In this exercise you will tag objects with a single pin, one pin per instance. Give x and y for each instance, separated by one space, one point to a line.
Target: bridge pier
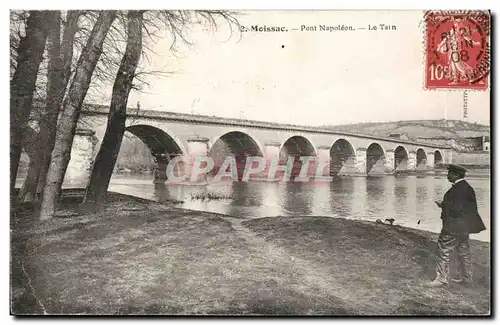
412 161
430 160
389 162
197 147
429 164
160 172
360 166
82 158
272 153
322 162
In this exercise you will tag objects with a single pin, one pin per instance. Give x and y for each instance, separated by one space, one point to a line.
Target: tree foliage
59 84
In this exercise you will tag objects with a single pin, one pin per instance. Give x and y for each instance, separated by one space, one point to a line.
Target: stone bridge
170 134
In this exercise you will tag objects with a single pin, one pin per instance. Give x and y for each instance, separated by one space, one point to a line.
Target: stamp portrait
457 50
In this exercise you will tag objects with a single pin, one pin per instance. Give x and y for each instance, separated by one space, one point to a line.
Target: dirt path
310 275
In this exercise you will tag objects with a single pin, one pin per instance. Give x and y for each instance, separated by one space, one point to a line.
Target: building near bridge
400 136
473 152
466 144
486 143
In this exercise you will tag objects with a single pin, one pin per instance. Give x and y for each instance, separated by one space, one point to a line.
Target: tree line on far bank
55 57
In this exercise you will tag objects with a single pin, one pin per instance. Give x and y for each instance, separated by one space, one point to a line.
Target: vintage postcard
235 163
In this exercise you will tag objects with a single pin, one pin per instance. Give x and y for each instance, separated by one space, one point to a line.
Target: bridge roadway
169 134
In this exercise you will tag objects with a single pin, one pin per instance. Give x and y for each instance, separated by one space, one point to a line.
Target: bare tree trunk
111 143
22 86
24 193
31 147
58 81
70 112
54 87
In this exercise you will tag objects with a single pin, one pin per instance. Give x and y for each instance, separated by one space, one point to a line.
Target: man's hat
460 170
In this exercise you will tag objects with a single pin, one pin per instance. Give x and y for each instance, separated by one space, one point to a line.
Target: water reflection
422 194
376 197
161 192
400 193
246 194
390 198
341 196
244 197
297 198
270 193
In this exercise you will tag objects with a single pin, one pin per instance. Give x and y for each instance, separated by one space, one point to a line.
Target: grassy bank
140 257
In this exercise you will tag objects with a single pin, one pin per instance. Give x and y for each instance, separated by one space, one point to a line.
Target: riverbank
144 257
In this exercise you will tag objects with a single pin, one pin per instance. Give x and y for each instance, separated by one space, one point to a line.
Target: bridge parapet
223 121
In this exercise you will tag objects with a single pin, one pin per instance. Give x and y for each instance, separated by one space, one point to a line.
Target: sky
305 77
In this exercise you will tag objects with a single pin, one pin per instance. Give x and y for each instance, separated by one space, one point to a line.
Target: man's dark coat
459 210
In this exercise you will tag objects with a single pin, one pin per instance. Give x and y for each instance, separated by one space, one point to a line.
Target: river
406 199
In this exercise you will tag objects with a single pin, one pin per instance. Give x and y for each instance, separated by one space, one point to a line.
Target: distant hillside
455 129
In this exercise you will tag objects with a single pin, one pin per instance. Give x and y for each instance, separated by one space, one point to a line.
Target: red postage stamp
457 49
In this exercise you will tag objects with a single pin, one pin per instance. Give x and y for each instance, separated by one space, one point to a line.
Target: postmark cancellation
457 49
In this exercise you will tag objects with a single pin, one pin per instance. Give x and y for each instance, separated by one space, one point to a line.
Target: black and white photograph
210 162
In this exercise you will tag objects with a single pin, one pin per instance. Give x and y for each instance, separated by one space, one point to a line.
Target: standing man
460 218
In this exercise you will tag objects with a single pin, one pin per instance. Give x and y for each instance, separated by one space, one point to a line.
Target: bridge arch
421 158
375 159
163 147
297 146
157 140
342 157
234 143
400 159
245 134
438 158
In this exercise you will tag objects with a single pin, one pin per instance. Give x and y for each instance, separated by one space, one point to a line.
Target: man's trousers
445 246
